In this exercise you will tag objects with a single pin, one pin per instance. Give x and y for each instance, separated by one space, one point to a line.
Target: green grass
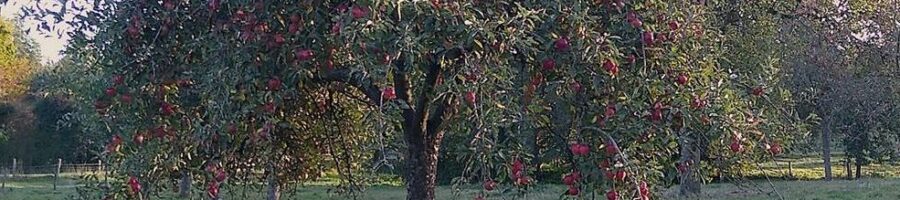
41 188
811 168
882 182
873 189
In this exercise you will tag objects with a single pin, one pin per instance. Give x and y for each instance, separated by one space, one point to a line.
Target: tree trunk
274 190
184 189
826 147
422 162
688 182
849 170
858 168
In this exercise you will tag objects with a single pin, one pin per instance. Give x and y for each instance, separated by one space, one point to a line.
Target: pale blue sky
50 46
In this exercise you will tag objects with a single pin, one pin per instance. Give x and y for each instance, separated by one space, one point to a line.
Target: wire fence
15 169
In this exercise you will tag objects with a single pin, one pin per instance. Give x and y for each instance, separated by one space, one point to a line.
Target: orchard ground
881 182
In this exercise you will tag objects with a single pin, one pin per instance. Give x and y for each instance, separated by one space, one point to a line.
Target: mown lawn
882 182
41 188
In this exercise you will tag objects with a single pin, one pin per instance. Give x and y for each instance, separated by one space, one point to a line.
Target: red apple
166 109
579 149
479 197
134 185
673 25
681 79
655 115
221 175
232 128
184 82
610 110
168 4
213 190
775 148
523 180
647 38
295 18
274 84
470 97
489 184
561 44
698 103
656 112
611 67
633 19
125 98
336 27
116 140
548 64
269 107
631 58
517 168
341 8
682 167
573 191
278 39
304 54
604 164
213 5
611 149
612 195
757 91
621 175
293 27
387 94
110 91
118 80
537 79
572 178
643 189
576 87
736 146
359 11
610 175
138 138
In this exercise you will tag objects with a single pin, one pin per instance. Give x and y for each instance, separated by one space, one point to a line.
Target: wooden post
13 173
3 175
56 175
790 170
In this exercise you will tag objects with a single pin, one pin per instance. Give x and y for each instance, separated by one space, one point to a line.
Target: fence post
790 170
56 176
13 173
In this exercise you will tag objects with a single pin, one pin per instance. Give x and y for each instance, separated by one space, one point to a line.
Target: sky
50 46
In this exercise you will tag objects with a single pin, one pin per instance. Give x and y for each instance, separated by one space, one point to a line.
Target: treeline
34 126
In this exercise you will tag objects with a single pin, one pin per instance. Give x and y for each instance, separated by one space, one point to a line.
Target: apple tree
242 91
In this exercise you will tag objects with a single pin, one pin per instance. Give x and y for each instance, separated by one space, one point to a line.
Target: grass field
881 182
888 189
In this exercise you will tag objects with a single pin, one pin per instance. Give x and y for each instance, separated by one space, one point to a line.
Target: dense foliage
621 95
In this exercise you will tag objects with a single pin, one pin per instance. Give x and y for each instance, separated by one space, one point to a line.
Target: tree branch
436 119
356 79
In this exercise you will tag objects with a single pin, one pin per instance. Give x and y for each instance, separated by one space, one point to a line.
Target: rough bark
274 190
422 124
689 185
184 189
